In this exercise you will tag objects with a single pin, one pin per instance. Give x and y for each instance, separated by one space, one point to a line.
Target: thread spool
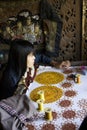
41 95
78 78
48 114
40 105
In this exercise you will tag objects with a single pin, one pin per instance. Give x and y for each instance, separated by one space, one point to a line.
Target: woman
15 79
21 58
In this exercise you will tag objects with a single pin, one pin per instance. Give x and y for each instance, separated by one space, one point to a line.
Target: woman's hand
65 64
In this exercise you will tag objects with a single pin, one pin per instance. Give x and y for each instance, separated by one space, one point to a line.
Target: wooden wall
70 13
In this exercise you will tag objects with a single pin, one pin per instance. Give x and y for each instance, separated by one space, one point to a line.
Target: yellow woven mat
49 77
51 93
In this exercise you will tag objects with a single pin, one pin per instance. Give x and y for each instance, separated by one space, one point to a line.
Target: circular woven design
51 93
49 78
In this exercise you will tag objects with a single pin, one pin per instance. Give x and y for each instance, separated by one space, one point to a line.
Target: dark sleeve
84 124
41 58
7 86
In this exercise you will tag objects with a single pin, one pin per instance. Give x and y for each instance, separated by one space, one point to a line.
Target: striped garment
13 112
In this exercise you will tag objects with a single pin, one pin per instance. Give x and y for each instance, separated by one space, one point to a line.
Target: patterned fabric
28 79
49 16
50 36
12 112
15 112
25 81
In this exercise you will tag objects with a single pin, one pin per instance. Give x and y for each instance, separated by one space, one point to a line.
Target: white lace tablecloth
69 110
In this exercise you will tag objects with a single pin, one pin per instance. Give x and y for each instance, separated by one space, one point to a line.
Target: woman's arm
42 59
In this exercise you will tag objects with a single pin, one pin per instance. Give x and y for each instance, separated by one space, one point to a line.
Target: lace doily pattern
67 99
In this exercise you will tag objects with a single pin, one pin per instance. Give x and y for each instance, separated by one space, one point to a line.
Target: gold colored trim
84 26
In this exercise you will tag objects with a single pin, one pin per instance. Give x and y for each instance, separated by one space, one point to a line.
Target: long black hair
17 61
16 66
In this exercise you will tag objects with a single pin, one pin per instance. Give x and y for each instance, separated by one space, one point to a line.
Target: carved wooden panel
84 30
12 7
70 13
